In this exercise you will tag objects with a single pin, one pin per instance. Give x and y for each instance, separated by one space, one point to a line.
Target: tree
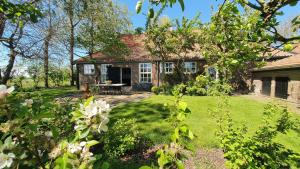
74 11
13 18
232 42
268 11
100 29
164 43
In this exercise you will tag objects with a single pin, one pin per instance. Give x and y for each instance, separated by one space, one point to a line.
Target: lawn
152 118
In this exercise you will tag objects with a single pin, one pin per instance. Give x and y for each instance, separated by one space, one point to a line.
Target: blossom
5 91
28 103
98 107
6 160
56 151
74 148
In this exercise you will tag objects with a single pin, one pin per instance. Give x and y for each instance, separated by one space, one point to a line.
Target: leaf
18 14
182 106
92 143
138 6
88 101
190 135
293 3
145 167
105 165
179 164
85 133
181 2
151 13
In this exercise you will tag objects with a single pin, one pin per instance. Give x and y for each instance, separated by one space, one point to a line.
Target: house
138 70
279 78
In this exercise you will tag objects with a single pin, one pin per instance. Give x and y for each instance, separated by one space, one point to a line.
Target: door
126 76
266 86
281 87
114 74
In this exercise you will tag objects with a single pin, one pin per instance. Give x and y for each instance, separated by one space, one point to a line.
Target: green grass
152 118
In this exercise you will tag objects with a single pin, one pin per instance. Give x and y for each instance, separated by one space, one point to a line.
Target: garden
193 119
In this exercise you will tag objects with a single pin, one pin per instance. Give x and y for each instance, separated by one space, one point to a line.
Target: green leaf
181 4
138 6
182 105
105 165
151 13
190 135
145 167
18 14
92 143
88 101
179 164
288 47
293 3
84 134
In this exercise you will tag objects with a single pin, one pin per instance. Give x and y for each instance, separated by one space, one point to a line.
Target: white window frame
144 70
168 69
103 72
89 69
188 69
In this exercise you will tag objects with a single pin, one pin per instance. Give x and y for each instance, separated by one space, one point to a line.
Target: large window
145 70
169 66
189 67
104 76
88 69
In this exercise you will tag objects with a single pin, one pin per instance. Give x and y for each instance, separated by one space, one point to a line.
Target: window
212 72
189 67
88 69
169 66
103 70
145 72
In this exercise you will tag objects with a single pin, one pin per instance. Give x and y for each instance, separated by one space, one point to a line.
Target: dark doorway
114 74
126 76
281 87
266 86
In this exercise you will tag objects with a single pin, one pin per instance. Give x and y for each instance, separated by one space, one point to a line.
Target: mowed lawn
151 116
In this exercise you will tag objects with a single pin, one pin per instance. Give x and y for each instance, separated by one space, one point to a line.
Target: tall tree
73 9
103 22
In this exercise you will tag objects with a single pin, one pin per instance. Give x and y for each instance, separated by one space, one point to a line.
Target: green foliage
121 138
16 11
35 73
259 150
58 75
179 89
155 90
219 88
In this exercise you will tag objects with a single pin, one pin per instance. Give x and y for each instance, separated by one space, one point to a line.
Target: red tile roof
286 63
138 52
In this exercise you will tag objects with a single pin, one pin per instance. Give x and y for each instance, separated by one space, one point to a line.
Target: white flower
97 107
74 148
103 125
6 160
86 154
28 103
5 91
56 151
49 134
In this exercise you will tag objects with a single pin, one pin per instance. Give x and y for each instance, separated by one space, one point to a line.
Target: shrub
179 89
217 88
121 138
166 88
155 90
243 150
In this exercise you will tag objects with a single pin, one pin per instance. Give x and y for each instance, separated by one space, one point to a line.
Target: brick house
139 70
279 78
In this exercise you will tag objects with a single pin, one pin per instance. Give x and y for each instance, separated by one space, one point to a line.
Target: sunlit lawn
152 118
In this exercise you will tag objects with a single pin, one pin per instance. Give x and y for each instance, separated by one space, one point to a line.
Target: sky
192 8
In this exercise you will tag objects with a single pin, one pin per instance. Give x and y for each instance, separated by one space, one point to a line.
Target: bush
179 89
121 138
166 88
217 88
155 90
243 150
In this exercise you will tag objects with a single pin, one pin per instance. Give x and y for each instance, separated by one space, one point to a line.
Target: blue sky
192 8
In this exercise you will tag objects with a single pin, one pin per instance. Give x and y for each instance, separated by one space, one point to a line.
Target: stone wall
293 83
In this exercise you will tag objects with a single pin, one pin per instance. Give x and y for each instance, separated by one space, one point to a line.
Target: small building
279 78
139 70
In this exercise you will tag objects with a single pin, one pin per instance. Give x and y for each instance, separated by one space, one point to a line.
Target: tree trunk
72 54
9 67
46 61
2 24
